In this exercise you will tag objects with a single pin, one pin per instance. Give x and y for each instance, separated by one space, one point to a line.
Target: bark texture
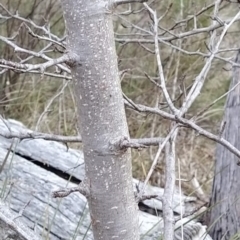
225 202
102 119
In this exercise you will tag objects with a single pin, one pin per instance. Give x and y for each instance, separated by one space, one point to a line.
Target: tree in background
163 57
225 211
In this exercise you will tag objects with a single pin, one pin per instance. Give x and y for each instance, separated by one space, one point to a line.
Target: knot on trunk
73 60
119 145
123 143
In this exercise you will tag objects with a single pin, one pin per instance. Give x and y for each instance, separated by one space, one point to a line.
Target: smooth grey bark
102 119
225 201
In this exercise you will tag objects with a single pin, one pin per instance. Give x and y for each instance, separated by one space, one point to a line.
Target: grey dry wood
71 161
28 187
12 228
29 183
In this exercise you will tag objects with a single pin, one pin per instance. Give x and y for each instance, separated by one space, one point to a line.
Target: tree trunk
225 205
102 119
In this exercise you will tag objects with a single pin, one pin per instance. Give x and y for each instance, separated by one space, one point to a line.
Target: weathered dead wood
35 168
25 184
12 228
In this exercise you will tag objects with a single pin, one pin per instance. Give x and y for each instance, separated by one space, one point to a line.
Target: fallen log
32 169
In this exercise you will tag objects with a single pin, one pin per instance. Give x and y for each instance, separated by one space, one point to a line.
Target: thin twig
200 79
159 63
155 161
46 110
187 123
120 2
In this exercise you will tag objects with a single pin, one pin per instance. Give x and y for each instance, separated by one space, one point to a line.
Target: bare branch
122 143
82 188
120 2
159 63
30 67
178 36
199 81
186 123
146 197
168 216
38 135
215 101
28 21
29 52
192 17
154 141
63 76
61 193
155 161
46 110
43 37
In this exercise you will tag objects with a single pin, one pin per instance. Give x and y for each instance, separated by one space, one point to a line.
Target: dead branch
82 188
120 2
185 122
177 36
42 67
122 143
39 135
